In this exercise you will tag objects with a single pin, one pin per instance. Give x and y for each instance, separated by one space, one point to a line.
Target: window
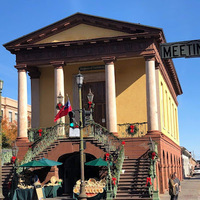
170 116
10 116
163 105
176 122
16 117
173 124
167 107
2 113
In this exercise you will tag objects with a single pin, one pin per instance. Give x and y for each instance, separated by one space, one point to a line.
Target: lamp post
1 192
82 195
60 101
15 150
90 97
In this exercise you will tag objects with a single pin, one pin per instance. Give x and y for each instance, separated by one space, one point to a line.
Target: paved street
190 190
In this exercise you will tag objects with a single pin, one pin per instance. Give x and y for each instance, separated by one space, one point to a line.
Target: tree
9 132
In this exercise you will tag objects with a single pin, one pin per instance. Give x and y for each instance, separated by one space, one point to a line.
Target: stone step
135 198
136 164
131 179
130 185
134 172
136 160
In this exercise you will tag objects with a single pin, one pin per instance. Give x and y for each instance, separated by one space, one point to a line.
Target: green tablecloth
26 194
51 191
22 194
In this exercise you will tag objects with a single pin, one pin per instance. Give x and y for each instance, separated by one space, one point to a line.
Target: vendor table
26 194
22 194
51 191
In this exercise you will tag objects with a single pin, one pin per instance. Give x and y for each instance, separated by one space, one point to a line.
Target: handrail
6 156
153 155
118 169
41 144
110 141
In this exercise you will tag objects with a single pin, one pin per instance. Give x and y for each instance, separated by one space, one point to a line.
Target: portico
122 64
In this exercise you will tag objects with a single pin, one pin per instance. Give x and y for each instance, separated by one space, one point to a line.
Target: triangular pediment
82 27
82 32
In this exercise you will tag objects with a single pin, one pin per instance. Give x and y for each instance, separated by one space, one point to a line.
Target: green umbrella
49 163
97 162
33 163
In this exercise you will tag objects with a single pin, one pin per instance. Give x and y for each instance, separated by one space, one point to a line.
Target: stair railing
118 169
153 155
110 141
50 136
115 148
6 156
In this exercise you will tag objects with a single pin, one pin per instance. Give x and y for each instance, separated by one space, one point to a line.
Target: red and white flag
64 111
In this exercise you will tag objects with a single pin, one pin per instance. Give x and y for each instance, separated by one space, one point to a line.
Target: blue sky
179 20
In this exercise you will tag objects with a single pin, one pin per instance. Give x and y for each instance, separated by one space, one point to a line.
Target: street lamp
60 101
82 195
1 192
15 150
90 97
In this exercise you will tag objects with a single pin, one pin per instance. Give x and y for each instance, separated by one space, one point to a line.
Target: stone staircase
132 181
7 174
57 142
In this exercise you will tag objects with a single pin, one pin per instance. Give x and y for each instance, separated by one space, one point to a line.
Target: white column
152 107
35 97
22 101
111 112
58 84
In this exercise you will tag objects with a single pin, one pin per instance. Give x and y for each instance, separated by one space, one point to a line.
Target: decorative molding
109 60
34 73
149 57
58 64
79 18
86 52
21 67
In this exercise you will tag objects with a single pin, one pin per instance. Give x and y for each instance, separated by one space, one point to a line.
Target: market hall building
135 95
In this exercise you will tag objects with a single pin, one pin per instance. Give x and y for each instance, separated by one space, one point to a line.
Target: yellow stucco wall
130 90
47 97
168 112
81 32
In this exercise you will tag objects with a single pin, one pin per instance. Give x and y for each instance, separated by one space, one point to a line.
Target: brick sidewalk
190 190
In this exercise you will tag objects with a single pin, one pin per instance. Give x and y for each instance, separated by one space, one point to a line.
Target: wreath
132 129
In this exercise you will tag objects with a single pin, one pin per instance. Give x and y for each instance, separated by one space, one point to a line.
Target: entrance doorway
69 172
98 89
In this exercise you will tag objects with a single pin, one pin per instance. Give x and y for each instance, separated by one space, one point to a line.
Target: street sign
186 49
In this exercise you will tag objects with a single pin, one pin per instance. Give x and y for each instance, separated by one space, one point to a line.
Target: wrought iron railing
118 169
49 136
6 156
38 134
110 141
138 129
153 155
